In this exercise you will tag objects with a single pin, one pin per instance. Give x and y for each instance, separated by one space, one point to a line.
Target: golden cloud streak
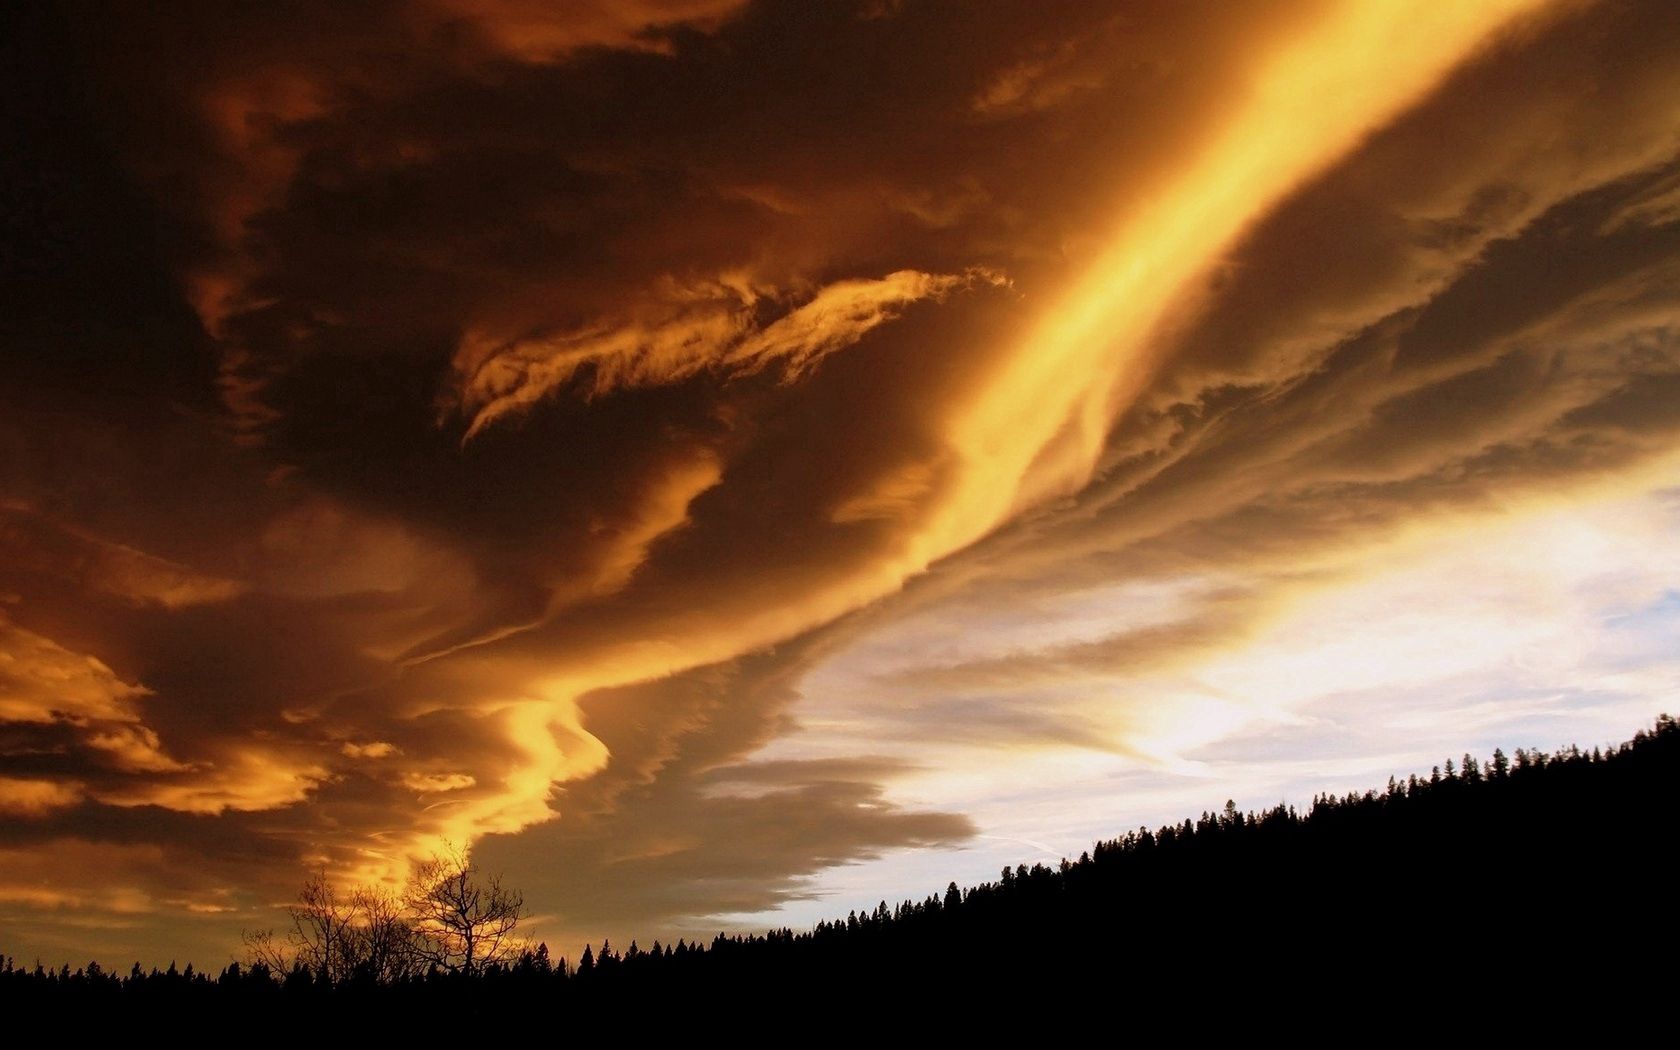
708 327
1034 427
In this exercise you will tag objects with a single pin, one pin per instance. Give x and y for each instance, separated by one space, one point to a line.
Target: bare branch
446 917
463 924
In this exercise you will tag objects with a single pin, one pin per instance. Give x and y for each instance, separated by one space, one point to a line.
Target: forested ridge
1512 878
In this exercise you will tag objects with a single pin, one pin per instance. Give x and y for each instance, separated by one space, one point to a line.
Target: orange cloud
79 558
504 410
697 328
42 684
432 782
33 798
533 31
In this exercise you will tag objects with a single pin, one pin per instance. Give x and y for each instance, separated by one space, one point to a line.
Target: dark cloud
681 828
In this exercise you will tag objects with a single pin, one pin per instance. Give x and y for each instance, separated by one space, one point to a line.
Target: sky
729 463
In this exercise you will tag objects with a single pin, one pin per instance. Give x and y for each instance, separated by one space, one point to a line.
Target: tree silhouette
462 921
337 935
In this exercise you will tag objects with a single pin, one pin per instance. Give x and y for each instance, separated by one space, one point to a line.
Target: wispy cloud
691 330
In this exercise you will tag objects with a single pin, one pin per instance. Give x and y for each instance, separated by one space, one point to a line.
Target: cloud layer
688 449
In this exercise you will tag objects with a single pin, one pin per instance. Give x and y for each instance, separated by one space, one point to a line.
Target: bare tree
462 921
448 916
338 935
385 936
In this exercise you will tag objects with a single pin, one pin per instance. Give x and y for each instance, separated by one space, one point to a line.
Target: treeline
1485 884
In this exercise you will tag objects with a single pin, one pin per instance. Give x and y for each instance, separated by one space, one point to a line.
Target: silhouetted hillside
1534 883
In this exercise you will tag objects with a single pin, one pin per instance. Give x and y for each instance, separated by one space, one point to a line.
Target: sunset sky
730 463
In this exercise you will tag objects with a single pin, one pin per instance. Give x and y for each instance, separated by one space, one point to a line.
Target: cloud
1485 361
696 329
28 798
430 782
681 829
35 544
495 413
537 32
50 696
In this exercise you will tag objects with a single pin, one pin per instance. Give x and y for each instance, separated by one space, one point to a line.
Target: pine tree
1501 765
